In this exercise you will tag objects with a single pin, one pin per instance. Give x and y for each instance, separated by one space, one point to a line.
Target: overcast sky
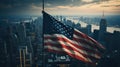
59 7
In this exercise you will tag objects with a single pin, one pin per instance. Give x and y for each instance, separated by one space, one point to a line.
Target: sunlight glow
110 7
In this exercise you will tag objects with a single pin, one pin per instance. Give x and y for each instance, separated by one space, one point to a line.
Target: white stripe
69 44
52 47
79 32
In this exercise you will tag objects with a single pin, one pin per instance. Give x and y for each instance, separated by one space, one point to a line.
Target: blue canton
52 26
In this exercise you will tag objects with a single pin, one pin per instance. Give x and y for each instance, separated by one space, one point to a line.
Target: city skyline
69 33
60 7
24 40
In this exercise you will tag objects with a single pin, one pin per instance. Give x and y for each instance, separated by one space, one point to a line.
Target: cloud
48 3
87 0
27 6
110 6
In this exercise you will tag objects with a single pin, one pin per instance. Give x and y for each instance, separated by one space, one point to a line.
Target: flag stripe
54 49
69 48
56 38
72 53
91 42
82 38
53 37
67 44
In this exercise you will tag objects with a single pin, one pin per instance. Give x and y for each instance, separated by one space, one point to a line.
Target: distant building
95 34
77 26
61 18
89 27
8 47
25 57
113 41
102 29
21 32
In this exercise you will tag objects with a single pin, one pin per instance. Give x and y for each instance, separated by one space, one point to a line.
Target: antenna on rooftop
103 15
43 5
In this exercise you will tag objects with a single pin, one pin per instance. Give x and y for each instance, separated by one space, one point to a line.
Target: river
109 29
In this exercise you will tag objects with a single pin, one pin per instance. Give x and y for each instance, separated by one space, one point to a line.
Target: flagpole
43 54
43 5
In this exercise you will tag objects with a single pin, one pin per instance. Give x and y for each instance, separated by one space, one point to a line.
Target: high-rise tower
103 28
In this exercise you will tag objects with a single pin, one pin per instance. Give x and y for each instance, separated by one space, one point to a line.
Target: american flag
61 38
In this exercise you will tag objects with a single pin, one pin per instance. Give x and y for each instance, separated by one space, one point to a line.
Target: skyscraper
103 28
89 27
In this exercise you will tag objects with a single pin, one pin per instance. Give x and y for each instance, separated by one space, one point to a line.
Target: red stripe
51 44
55 51
80 34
